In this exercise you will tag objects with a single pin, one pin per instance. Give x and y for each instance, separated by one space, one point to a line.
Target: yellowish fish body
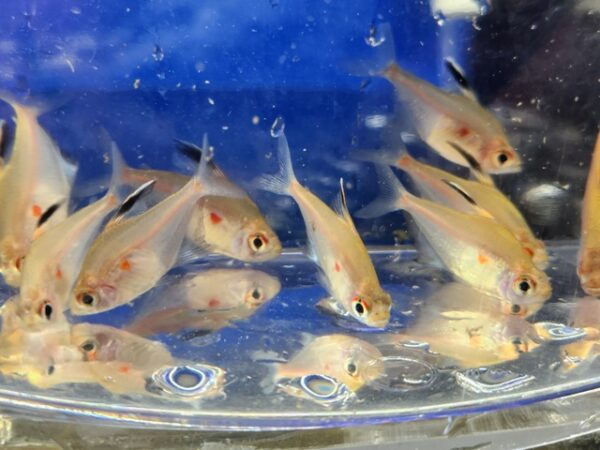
484 199
35 178
588 267
230 226
337 248
476 249
208 301
130 256
54 259
347 359
469 328
444 118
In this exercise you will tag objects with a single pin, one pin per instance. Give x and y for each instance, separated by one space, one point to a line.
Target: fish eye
257 242
515 309
256 294
524 286
50 370
351 367
502 158
359 306
88 346
46 310
87 299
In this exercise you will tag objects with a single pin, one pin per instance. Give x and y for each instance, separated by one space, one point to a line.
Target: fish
54 259
474 197
334 244
467 328
349 360
585 314
588 267
476 249
208 300
229 226
446 119
132 254
35 179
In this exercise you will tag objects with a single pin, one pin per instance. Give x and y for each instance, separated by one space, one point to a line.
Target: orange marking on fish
91 356
124 369
58 273
213 303
125 265
528 251
337 266
36 210
215 218
403 161
463 132
482 259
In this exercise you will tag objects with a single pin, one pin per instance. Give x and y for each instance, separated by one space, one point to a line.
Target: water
174 70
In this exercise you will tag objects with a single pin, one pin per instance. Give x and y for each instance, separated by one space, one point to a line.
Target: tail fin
280 183
391 196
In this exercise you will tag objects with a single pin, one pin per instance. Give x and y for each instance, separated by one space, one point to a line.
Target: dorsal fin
340 207
48 213
464 194
194 153
473 164
132 199
461 79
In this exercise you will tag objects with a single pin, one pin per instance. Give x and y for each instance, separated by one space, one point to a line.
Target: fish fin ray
340 207
459 76
281 182
390 197
189 253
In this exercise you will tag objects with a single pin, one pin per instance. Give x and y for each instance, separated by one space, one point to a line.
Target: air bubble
374 38
278 127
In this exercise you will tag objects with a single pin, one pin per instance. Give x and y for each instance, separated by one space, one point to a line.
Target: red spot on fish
463 132
528 251
125 265
337 266
124 369
215 218
36 210
213 303
326 367
58 273
482 259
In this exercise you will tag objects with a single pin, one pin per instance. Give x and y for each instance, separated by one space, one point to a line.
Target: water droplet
211 101
491 381
161 75
374 38
158 53
189 381
278 127
439 18
136 83
76 10
255 120
534 26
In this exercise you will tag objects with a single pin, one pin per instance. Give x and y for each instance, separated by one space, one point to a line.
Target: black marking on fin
457 74
471 161
48 213
6 134
343 196
190 150
193 334
458 189
133 198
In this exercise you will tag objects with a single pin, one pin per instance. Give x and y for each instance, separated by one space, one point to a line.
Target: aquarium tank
265 215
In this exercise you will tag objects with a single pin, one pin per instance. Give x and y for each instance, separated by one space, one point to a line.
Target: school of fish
63 264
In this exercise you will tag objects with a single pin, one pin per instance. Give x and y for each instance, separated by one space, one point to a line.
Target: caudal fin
391 195
280 183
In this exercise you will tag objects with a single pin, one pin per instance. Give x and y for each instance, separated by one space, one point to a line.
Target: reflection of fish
467 327
445 120
336 246
132 254
585 314
589 253
347 359
473 197
231 226
209 300
35 180
54 260
474 248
